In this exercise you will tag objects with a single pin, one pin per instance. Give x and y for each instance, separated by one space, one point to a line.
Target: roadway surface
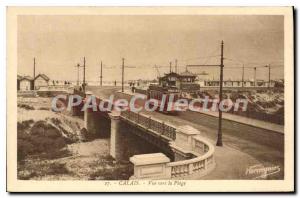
264 145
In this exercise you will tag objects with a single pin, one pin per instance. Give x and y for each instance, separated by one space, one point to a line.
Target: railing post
138 117
190 168
205 163
163 128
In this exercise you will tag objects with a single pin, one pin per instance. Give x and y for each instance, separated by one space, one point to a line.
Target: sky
60 42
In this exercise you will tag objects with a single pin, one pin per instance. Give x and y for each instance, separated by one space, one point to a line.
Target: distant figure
133 88
115 83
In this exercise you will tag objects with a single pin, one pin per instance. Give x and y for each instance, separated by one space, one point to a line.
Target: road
265 146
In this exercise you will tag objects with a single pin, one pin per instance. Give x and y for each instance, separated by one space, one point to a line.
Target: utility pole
170 67
83 74
243 75
219 138
101 75
33 73
176 66
123 74
254 77
269 75
78 65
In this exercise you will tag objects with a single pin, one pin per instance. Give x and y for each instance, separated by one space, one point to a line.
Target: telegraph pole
78 65
254 76
176 66
83 74
219 140
101 75
170 67
243 75
33 73
269 76
123 74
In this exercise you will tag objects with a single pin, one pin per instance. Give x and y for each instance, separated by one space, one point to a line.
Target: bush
25 124
25 106
30 170
44 108
116 173
42 138
25 147
56 121
57 168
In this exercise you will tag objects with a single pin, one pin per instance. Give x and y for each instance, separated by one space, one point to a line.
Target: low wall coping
152 158
188 130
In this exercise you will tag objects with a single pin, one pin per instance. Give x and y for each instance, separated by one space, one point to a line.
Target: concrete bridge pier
89 122
96 123
116 138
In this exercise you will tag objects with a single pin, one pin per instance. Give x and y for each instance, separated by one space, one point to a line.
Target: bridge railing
202 164
151 123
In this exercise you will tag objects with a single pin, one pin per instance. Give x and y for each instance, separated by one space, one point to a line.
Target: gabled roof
46 78
172 74
187 73
27 78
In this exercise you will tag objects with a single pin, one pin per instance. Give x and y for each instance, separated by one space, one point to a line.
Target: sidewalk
240 119
248 121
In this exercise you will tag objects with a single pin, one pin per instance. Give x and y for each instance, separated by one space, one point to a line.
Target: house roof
169 74
46 78
187 73
26 78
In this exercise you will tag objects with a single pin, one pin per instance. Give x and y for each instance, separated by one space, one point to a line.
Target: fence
150 123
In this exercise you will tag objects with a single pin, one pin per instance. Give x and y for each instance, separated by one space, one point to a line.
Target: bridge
158 150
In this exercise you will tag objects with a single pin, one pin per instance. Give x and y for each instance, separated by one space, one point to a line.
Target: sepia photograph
144 99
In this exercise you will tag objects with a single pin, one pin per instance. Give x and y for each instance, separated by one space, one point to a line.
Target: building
25 83
19 78
237 83
185 82
40 81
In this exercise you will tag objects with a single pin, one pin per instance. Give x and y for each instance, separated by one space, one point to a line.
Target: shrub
43 138
56 121
57 168
25 106
44 108
25 147
24 125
